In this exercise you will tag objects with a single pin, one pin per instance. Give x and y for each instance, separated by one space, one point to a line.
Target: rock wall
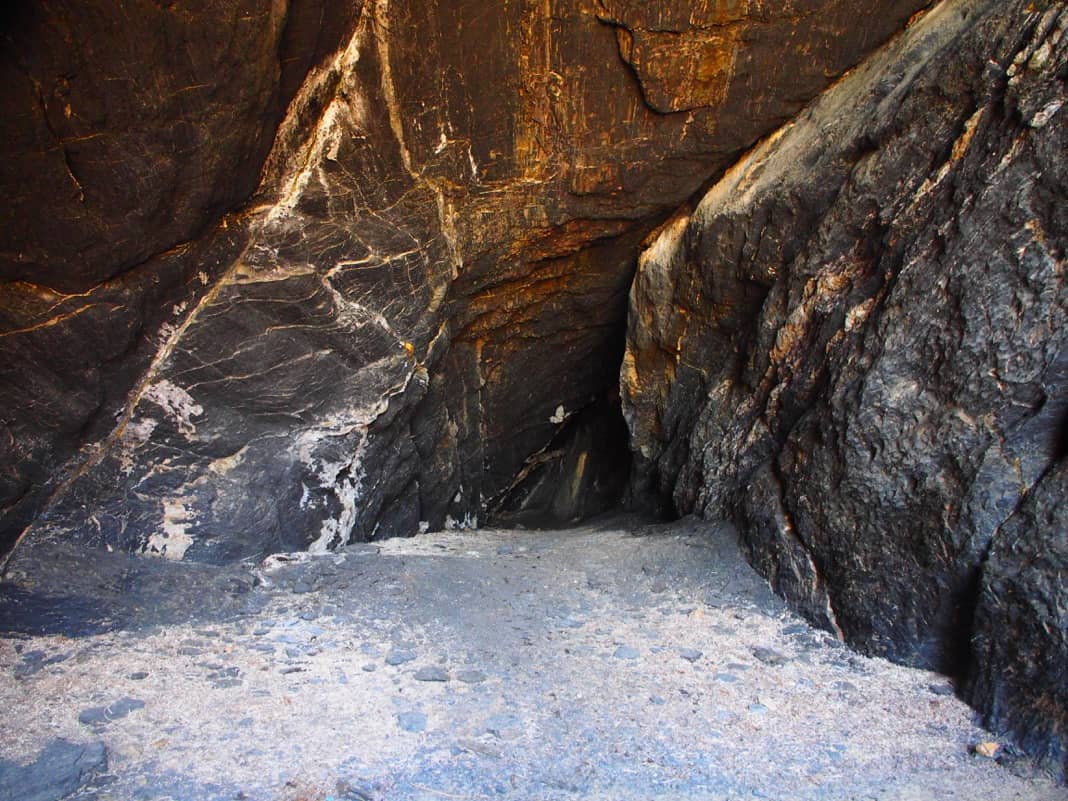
309 274
856 345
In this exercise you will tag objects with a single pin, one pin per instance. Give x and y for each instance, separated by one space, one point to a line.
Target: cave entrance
582 472
563 455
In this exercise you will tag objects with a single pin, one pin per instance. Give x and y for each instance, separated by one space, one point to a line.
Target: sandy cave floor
613 661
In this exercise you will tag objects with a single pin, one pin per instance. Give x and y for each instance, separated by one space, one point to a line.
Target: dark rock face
129 133
313 275
60 769
1018 676
856 344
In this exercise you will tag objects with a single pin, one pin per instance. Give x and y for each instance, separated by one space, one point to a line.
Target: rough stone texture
1019 674
857 346
129 133
60 769
369 329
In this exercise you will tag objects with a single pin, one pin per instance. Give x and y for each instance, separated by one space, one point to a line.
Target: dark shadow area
78 593
582 473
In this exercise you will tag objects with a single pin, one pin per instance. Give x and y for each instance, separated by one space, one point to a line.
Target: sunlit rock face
856 344
284 275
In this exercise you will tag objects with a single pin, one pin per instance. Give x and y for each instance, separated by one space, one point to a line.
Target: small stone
657 700
471 676
940 689
503 725
757 708
726 678
370 667
989 750
292 669
414 722
769 656
102 715
626 652
309 615
138 675
690 654
399 656
431 674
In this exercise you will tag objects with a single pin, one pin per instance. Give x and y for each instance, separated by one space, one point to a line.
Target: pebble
399 656
471 676
769 656
370 667
414 722
690 654
102 715
431 674
626 652
503 725
726 678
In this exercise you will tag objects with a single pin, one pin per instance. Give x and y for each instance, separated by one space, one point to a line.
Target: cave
559 399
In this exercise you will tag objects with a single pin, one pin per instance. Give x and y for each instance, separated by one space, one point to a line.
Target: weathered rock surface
60 769
1019 672
370 328
129 134
857 345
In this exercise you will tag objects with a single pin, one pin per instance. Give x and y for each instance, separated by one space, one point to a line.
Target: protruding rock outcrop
857 345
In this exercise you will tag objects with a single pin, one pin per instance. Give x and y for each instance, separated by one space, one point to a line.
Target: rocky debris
535 708
856 346
61 768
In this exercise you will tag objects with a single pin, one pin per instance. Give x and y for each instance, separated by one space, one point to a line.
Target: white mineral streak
133 437
343 478
176 403
343 113
174 539
469 522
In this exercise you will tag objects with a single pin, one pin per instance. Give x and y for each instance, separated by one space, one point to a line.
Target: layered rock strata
856 344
